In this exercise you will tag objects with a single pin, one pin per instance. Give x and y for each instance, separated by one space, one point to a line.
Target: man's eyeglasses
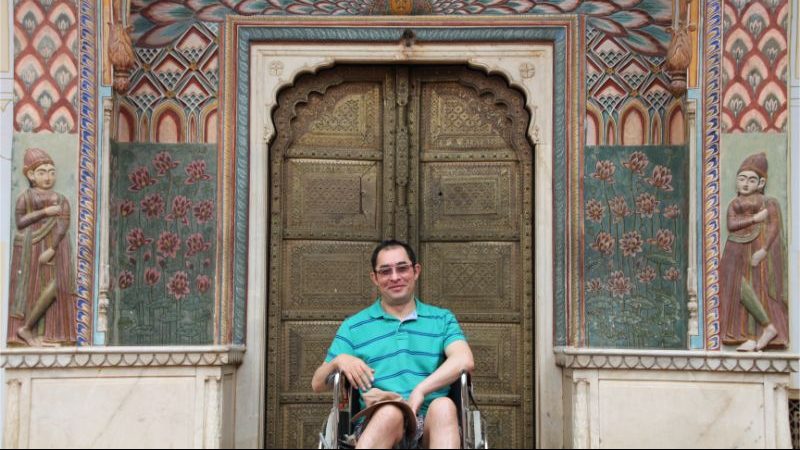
402 270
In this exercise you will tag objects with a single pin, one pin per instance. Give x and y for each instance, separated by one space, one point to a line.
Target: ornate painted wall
629 98
177 64
755 67
173 92
753 112
46 74
173 96
46 66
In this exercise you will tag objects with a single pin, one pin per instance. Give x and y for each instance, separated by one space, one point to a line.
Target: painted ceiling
641 24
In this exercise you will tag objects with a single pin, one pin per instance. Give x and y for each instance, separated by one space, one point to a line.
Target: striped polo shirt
402 353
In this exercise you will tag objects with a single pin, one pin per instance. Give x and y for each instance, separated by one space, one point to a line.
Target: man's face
748 182
395 276
43 177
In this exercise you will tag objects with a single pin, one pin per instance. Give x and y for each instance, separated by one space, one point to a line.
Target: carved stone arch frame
538 55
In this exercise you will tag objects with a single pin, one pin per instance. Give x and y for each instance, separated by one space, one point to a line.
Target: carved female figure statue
42 309
753 299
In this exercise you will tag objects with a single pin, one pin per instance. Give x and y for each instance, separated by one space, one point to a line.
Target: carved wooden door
434 155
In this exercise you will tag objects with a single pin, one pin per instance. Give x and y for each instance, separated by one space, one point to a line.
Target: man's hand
415 400
357 371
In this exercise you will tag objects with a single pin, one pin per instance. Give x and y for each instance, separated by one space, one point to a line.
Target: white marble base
662 399
120 397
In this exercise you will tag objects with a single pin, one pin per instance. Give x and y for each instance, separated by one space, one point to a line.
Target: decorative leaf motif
662 258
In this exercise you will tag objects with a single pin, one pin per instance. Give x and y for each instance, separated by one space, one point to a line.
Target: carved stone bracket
120 53
573 358
679 52
29 358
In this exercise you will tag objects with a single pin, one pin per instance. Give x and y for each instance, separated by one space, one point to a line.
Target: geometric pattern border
87 169
91 357
575 358
711 155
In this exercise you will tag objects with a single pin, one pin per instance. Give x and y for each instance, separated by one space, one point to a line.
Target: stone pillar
6 139
794 177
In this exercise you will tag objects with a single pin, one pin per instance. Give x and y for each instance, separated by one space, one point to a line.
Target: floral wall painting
163 244
753 280
635 251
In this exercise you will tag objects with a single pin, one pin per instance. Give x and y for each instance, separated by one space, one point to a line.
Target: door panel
474 161
433 155
303 343
470 200
477 279
325 277
457 121
344 120
345 196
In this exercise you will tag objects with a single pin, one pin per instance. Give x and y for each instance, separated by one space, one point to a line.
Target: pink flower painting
202 283
196 170
152 276
203 211
180 209
163 163
178 285
140 178
168 244
153 206
136 240
195 244
125 279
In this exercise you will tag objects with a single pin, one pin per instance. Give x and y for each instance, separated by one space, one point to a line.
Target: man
401 345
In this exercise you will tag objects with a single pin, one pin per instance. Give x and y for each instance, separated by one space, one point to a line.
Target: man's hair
390 243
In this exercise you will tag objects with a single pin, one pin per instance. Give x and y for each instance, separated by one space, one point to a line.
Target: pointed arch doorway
531 54
435 155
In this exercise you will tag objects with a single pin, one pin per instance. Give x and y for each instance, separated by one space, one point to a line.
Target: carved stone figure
753 298
42 301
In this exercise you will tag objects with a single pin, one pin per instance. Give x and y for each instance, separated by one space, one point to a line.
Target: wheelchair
338 431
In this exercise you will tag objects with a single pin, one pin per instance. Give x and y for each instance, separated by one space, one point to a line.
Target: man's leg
384 429
441 425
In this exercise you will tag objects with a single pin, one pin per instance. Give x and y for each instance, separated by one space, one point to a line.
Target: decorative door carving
434 155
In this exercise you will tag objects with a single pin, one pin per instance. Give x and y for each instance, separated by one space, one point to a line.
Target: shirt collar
376 310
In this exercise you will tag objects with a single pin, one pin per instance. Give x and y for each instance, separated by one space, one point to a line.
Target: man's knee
387 419
443 408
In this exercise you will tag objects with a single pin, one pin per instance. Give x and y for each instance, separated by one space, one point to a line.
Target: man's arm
459 359
357 372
